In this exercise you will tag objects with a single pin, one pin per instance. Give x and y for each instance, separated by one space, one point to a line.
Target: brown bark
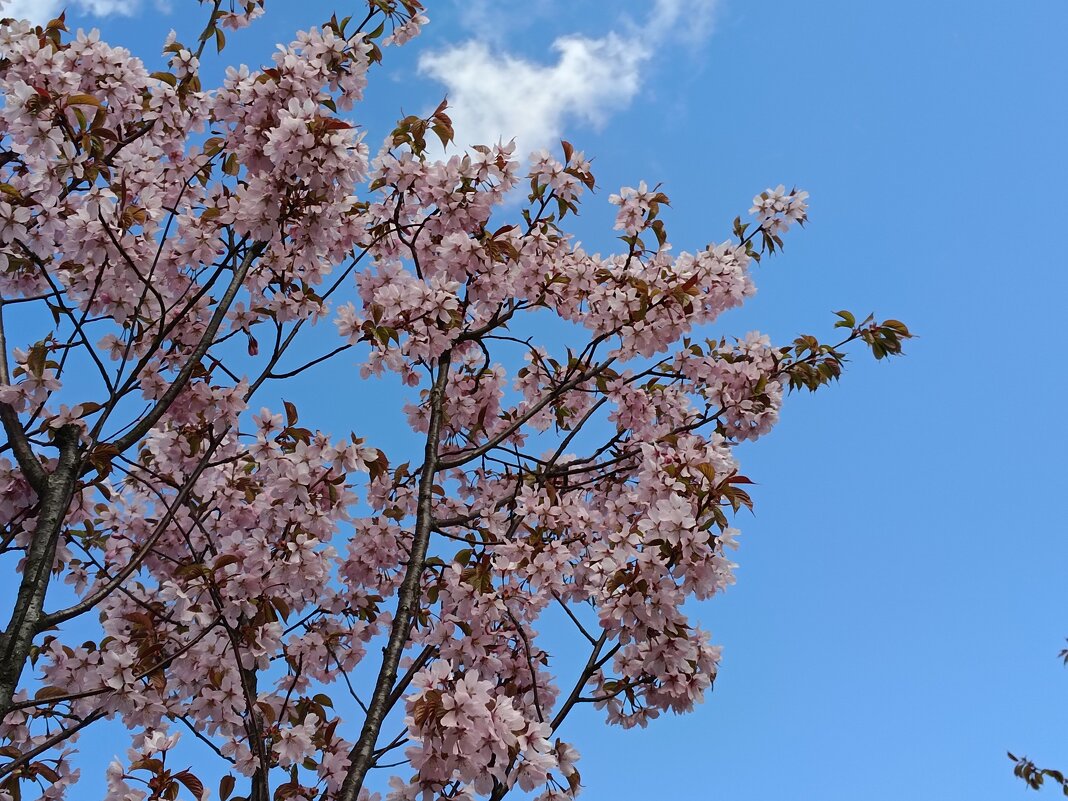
53 502
361 757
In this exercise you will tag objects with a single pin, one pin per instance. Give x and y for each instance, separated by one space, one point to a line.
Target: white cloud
494 95
44 10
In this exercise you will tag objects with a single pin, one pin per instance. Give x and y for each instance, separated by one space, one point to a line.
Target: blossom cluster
776 209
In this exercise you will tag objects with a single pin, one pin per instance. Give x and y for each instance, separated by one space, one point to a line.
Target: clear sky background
901 597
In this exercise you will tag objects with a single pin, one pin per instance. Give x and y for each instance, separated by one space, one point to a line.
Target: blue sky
901 596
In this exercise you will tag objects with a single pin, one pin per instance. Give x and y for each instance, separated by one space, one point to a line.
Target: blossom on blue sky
901 597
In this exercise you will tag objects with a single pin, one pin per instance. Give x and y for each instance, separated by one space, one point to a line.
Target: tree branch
361 757
163 404
29 603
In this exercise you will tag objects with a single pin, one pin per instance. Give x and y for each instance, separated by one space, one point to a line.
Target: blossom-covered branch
169 249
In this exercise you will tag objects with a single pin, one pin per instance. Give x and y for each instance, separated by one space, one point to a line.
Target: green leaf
35 361
166 77
847 321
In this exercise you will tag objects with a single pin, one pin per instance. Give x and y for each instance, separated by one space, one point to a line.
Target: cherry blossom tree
193 563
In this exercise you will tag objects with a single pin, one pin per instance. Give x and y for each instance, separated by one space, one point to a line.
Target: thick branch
29 604
361 758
